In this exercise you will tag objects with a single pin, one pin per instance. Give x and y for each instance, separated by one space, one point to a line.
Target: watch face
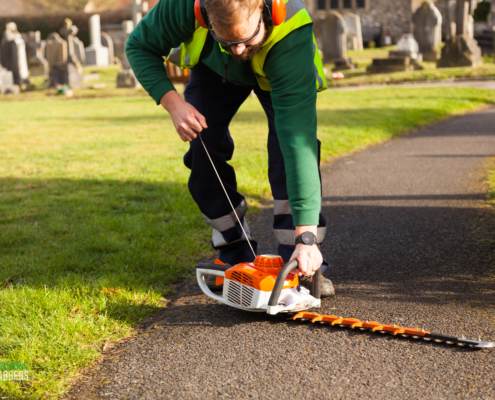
309 238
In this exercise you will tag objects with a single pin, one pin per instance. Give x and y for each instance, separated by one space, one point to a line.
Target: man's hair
224 14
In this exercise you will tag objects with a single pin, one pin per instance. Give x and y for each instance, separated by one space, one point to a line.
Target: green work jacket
288 65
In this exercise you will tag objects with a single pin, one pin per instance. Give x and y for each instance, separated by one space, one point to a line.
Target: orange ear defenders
274 12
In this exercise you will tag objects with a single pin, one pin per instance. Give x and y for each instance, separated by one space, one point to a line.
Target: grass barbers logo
14 371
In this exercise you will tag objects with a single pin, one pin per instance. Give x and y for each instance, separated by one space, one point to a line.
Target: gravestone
427 22
7 85
13 54
452 17
137 8
332 33
354 31
68 72
406 58
106 41
96 54
491 15
461 50
127 79
78 46
407 46
388 65
55 49
119 34
37 64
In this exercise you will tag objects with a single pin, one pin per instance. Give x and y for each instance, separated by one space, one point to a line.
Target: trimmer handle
282 276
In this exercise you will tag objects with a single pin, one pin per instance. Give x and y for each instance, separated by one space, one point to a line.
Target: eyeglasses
235 44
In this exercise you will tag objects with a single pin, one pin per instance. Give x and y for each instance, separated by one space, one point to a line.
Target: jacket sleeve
291 71
166 26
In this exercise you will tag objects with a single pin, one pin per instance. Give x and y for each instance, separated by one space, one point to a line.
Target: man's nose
238 49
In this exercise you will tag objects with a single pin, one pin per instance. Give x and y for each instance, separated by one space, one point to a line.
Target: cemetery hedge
48 23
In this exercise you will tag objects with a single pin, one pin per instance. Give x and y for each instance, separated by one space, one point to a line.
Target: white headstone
354 31
106 41
96 54
7 82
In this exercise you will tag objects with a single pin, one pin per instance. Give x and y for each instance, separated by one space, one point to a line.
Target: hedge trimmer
267 285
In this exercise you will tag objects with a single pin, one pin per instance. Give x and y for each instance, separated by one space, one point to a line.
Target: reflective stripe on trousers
218 102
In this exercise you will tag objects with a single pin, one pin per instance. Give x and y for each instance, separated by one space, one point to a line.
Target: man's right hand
187 120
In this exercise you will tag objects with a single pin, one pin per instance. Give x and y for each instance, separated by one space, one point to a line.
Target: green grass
491 184
96 222
363 59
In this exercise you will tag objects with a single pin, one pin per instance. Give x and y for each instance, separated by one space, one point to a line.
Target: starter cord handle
282 276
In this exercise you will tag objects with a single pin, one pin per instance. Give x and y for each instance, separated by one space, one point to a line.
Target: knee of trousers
283 224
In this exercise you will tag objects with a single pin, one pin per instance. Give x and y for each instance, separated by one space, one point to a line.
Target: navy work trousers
218 102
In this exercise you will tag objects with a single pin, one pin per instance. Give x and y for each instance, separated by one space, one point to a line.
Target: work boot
326 286
210 281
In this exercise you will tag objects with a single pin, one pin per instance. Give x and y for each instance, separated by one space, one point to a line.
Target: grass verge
96 221
430 73
491 184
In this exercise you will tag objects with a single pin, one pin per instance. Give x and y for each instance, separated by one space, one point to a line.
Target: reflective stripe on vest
187 55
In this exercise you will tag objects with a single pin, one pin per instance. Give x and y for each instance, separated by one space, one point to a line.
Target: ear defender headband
274 12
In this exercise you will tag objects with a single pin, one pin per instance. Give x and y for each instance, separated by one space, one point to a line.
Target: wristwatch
308 238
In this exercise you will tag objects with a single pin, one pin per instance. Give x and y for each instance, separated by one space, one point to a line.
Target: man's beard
250 51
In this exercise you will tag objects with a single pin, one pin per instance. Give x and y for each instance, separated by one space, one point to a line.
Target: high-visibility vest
187 55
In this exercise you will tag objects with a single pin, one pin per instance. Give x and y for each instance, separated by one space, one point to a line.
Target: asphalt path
410 242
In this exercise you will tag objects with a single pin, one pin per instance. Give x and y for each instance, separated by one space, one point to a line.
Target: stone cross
138 8
491 15
427 22
462 50
465 8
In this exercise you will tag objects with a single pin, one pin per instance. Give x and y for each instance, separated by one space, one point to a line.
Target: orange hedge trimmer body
266 285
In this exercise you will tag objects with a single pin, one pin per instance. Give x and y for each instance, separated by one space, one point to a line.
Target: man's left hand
309 258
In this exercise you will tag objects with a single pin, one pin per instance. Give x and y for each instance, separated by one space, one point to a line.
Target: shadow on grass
129 237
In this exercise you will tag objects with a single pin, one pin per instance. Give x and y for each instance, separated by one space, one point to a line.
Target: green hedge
48 23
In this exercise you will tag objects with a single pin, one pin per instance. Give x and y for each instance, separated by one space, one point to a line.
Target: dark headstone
13 54
127 79
68 72
331 33
427 22
37 64
387 65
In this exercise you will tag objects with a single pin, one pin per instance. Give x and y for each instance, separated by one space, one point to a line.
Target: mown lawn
96 222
